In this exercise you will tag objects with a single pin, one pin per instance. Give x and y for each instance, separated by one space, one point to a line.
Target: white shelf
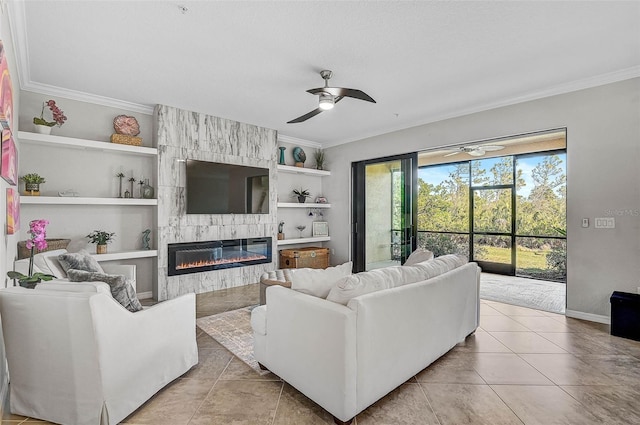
126 255
61 200
301 170
299 205
60 141
303 240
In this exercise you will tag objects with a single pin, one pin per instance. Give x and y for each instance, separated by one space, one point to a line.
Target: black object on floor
625 315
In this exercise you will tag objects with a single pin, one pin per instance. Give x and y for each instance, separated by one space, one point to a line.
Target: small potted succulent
320 159
301 194
32 182
101 238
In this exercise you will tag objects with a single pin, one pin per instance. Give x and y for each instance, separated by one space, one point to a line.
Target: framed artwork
6 92
320 228
13 211
9 170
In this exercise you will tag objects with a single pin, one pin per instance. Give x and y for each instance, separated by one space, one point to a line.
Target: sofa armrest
66 285
311 344
152 347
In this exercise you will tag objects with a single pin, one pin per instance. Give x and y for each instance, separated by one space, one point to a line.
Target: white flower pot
42 129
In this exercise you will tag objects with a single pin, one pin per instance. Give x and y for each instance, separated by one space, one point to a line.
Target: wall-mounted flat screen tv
216 188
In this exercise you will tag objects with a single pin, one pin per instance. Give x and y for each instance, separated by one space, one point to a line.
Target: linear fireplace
196 257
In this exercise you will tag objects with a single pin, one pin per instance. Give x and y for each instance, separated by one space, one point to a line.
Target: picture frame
9 166
320 228
6 92
13 211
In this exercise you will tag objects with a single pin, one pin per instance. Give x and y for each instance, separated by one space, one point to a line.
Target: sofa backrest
44 262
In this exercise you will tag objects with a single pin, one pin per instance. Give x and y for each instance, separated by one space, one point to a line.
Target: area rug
233 330
537 294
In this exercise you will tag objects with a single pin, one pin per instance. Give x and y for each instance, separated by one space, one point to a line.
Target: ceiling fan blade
491 148
452 153
343 92
311 114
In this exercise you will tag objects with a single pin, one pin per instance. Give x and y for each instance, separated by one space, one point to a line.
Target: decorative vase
281 160
32 189
42 129
101 249
147 190
301 199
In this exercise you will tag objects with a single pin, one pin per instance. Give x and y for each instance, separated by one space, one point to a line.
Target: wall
8 246
185 135
603 153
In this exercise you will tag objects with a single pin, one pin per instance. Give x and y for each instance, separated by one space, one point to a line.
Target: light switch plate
605 223
585 222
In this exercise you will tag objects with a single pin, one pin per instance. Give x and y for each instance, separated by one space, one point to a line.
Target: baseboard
588 316
145 295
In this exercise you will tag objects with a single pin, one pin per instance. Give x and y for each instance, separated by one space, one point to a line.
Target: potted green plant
319 157
32 183
101 238
301 194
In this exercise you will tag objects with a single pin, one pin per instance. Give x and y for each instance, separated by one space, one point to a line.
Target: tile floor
522 366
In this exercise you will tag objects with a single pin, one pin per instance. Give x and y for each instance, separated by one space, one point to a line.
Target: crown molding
585 83
295 141
17 24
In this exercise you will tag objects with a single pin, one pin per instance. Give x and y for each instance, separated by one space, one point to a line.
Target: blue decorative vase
281 160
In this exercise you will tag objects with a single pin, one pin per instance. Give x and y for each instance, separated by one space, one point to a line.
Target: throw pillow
318 282
121 289
47 262
418 256
80 260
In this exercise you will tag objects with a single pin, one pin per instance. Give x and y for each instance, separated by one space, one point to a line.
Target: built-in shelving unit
70 142
68 200
302 170
126 255
299 205
304 240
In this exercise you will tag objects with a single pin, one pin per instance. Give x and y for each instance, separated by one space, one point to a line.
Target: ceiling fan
329 96
474 150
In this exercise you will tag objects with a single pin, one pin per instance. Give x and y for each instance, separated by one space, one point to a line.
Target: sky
437 174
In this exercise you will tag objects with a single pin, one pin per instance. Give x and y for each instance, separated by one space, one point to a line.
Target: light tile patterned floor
522 366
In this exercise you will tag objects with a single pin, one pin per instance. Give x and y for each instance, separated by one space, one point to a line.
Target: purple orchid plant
38 240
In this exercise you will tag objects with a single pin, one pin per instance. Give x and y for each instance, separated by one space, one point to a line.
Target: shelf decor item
281 231
320 228
9 159
301 194
145 239
320 159
120 176
32 182
126 128
299 156
38 241
281 159
132 180
43 126
101 238
147 190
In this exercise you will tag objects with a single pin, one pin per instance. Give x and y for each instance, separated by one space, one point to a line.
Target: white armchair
81 358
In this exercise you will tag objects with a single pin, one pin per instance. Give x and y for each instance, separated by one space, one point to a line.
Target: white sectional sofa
346 357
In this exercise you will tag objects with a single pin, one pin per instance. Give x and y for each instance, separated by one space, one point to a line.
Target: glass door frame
490 266
358 206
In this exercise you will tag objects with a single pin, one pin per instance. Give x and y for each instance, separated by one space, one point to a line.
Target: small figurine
145 239
281 230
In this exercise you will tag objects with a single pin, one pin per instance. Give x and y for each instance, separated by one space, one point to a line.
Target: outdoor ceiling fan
329 96
474 150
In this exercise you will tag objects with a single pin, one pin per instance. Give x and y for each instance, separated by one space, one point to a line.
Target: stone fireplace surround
183 135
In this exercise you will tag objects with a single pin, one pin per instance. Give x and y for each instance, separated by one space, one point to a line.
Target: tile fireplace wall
185 135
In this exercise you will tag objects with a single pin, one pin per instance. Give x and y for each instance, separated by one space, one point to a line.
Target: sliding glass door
383 231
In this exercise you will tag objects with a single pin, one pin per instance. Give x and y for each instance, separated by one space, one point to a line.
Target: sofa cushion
440 265
121 289
318 282
418 256
80 260
47 262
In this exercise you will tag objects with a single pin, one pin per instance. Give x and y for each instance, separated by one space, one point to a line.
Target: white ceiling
252 61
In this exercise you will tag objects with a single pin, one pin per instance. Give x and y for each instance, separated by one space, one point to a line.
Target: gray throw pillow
121 289
80 260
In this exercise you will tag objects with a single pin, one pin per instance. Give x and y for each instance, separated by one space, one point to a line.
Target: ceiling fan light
326 102
476 152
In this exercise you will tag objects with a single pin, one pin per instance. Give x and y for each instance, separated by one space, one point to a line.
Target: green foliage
33 178
301 192
101 237
29 281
